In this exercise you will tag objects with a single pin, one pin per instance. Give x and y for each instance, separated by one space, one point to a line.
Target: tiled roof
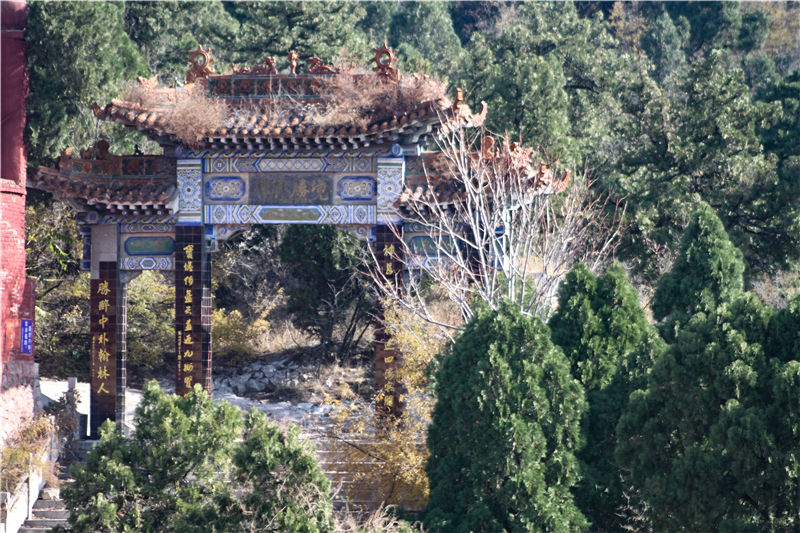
142 185
267 110
437 184
259 128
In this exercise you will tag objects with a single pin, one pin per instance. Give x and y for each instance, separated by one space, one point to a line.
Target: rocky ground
290 388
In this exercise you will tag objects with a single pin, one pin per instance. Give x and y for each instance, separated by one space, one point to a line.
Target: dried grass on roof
195 114
191 112
354 97
357 99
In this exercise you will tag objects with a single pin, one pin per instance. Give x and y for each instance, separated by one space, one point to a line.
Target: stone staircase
49 510
348 493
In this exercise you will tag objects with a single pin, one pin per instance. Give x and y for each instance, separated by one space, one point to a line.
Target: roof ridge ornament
267 67
385 60
316 66
294 57
201 64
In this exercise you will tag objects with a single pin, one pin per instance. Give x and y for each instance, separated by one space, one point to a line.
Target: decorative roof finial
316 66
269 62
293 58
385 59
201 64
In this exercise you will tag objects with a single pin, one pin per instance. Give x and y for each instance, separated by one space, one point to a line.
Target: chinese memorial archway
251 147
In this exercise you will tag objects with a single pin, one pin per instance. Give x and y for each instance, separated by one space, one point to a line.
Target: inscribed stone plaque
291 189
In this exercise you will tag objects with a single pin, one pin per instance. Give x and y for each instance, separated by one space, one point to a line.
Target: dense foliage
708 270
504 431
711 441
600 326
709 438
196 465
688 113
667 105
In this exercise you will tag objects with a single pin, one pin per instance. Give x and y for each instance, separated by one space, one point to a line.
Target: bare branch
491 221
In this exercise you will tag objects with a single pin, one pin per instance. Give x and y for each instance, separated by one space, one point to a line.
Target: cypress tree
600 326
708 271
712 441
505 428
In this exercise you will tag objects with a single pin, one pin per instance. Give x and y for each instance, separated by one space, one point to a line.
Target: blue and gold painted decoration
149 245
190 191
163 262
259 163
154 227
225 189
290 214
357 189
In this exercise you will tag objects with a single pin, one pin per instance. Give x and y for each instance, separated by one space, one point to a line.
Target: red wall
17 370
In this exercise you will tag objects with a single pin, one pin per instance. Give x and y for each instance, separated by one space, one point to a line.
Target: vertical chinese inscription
388 251
103 330
192 310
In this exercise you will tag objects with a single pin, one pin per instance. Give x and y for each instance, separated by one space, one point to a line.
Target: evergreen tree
711 442
720 25
165 31
664 44
505 429
195 465
316 28
550 77
708 271
697 142
424 33
600 326
780 137
78 53
330 291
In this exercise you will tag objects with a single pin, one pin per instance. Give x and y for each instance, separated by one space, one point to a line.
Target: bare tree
491 221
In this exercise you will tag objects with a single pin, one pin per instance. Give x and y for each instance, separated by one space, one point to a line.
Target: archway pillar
388 250
192 309
107 319
192 282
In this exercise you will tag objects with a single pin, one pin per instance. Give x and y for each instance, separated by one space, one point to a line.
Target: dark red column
107 329
192 309
389 253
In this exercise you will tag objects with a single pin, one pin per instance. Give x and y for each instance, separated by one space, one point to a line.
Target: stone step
26 529
45 522
48 504
60 514
50 493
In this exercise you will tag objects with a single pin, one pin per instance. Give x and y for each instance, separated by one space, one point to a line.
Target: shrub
505 429
600 325
25 445
712 440
237 339
151 311
195 465
708 270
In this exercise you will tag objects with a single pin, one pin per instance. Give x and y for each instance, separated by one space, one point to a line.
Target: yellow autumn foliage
236 338
385 456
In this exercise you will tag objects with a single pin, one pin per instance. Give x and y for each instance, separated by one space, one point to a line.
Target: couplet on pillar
108 347
192 309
